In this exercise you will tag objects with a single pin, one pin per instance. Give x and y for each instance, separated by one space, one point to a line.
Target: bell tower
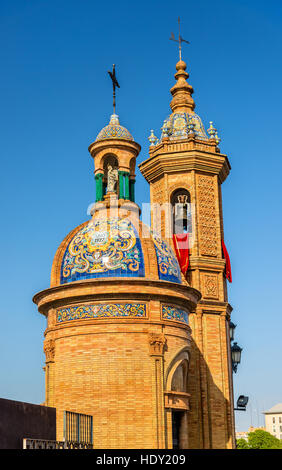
114 153
185 170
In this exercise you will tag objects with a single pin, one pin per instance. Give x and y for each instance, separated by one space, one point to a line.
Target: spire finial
182 100
180 40
115 84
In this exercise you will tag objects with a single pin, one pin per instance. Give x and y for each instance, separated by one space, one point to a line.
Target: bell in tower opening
181 211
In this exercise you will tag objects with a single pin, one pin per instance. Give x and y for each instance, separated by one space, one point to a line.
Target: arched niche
110 163
180 377
177 401
132 165
177 373
181 211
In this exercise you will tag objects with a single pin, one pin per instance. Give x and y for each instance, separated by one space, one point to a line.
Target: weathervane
180 40
115 84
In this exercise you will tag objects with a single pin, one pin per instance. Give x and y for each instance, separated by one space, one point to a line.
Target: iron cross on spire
180 39
115 84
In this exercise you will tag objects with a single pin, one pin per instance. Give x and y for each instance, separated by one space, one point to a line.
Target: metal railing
45 444
78 427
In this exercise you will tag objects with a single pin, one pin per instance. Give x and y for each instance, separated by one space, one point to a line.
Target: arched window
181 211
177 400
180 378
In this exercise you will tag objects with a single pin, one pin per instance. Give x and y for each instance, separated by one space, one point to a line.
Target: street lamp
242 403
235 356
231 330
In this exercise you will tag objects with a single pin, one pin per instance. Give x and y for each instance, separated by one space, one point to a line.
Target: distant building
244 434
273 420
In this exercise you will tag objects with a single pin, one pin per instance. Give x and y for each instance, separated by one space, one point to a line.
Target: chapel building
137 341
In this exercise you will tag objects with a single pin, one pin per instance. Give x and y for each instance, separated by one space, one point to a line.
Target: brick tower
186 166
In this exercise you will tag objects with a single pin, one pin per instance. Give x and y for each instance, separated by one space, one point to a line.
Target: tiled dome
178 125
114 130
113 247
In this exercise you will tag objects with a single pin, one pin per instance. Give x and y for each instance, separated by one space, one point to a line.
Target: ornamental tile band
101 311
174 314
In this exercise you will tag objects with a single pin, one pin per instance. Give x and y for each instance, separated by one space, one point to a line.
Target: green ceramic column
132 189
99 187
104 187
126 185
121 192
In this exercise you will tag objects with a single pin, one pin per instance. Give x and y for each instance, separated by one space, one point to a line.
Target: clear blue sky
55 96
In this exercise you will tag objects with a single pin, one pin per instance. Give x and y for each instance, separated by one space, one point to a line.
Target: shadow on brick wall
211 417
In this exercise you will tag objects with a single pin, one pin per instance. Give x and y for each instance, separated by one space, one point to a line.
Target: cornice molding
186 160
108 144
201 262
85 291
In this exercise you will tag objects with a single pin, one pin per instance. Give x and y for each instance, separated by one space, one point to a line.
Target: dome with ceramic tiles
180 125
114 247
114 130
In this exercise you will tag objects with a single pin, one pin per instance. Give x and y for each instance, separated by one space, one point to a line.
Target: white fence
43 444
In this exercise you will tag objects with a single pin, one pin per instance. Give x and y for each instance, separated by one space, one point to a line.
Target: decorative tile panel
210 284
168 266
157 191
207 216
103 248
174 313
101 311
